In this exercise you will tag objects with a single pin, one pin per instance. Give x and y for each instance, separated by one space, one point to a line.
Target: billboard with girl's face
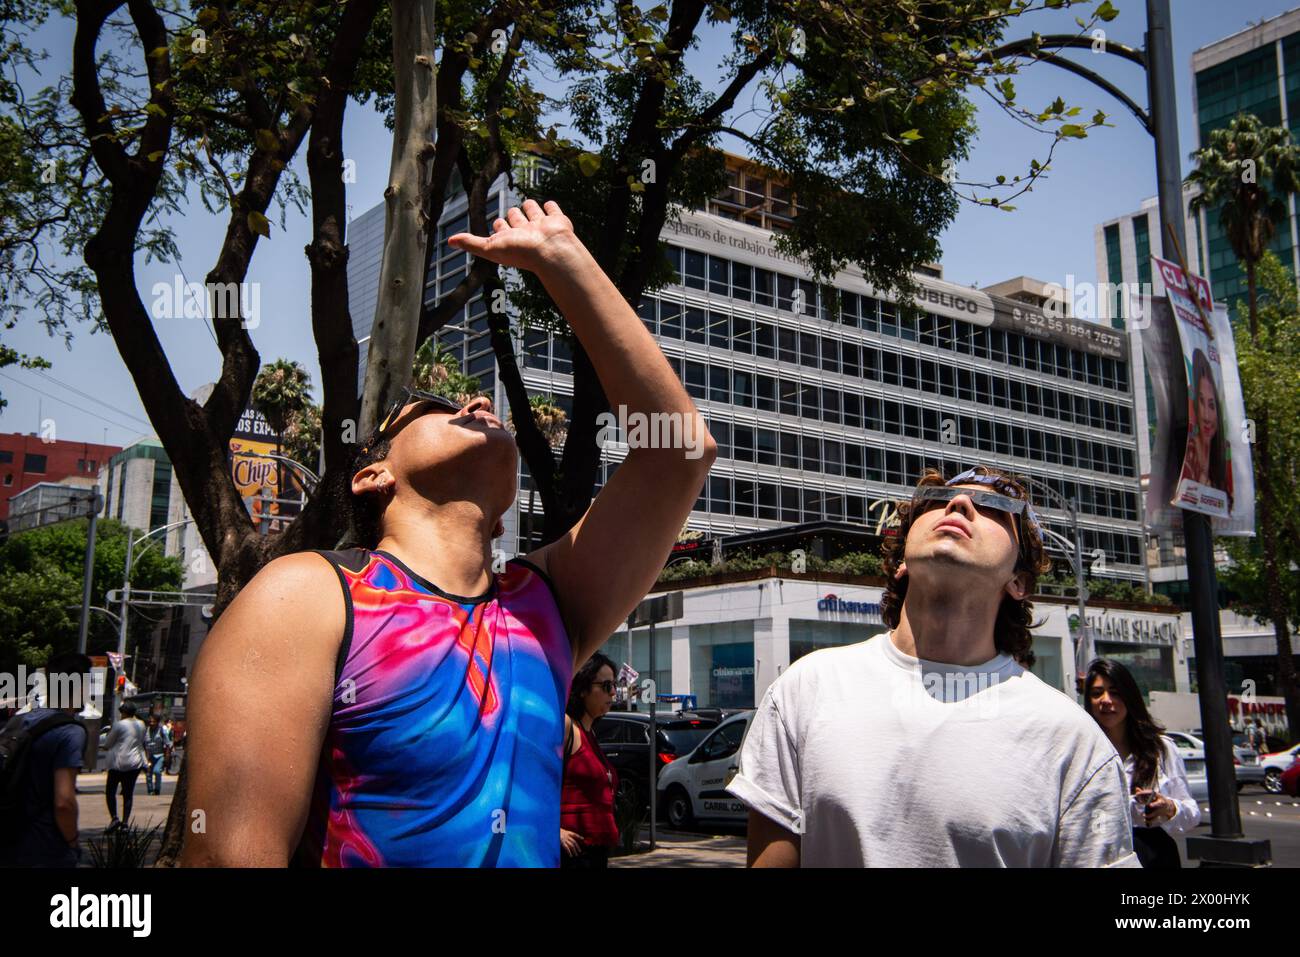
1214 475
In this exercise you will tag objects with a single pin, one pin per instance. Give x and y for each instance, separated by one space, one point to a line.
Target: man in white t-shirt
932 745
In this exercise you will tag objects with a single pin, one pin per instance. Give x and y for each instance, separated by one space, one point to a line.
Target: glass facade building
1255 71
827 401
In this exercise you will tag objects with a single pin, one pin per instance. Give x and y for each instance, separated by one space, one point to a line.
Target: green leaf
153 109
588 164
259 224
156 155
910 136
1074 130
1107 11
1058 106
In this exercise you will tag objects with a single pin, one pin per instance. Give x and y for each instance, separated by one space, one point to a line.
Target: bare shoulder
295 601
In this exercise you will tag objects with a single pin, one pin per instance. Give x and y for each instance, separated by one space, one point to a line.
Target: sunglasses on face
408 395
606 686
999 508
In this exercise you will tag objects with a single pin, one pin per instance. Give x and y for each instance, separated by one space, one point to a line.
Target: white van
692 788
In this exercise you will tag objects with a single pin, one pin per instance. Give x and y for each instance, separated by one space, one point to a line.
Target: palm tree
280 392
1247 172
554 424
437 370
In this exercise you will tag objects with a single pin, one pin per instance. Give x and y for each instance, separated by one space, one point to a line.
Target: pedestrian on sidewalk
41 752
933 744
157 746
416 633
126 756
587 826
1162 803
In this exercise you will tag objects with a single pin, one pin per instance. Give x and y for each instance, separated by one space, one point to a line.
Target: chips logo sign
257 478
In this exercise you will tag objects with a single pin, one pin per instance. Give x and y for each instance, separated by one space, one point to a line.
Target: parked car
1289 781
1274 764
1198 785
625 738
692 788
1244 758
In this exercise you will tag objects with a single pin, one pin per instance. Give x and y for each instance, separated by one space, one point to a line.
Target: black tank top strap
353 559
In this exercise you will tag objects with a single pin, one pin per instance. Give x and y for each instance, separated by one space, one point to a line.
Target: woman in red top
587 828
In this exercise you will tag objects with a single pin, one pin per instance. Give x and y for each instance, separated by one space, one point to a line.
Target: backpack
16 740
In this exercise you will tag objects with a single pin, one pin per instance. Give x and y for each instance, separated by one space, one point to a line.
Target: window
788 345
33 463
693 268
765 450
812 453
646 310
670 319
765 340
719 384
742 387
695 376
765 393
789 451
789 396
6 457
851 359
742 334
808 350
719 276
742 281
830 355
695 330
9 478
831 405
853 410
561 355
719 330
768 501
785 287
743 443
763 283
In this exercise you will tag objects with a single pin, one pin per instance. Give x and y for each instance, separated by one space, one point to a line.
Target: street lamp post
131 542
1071 509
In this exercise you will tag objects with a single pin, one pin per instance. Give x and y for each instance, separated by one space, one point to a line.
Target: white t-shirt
1172 783
880 759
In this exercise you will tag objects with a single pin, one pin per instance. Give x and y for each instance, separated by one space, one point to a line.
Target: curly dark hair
364 512
1011 630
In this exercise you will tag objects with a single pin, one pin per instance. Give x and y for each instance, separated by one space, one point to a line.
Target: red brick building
25 460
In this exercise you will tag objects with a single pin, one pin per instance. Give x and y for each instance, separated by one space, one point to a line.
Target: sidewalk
686 849
92 810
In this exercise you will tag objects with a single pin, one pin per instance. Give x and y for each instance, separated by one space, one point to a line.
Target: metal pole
89 573
126 595
654 738
1225 815
1079 586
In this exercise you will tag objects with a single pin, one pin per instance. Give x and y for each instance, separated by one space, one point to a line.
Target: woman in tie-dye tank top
419 682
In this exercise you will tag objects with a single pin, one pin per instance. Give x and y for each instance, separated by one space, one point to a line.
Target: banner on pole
1200 456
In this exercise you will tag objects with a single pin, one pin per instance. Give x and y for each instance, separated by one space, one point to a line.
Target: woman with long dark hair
1207 459
1162 804
587 827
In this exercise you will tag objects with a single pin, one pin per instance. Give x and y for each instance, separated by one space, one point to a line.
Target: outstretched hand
526 239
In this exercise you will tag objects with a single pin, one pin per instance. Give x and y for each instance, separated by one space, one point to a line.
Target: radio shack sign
837 604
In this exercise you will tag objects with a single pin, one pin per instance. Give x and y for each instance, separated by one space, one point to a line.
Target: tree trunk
407 227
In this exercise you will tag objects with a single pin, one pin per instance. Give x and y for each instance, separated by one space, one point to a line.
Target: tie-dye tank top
444 745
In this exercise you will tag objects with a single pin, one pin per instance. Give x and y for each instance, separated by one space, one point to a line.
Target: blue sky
91 397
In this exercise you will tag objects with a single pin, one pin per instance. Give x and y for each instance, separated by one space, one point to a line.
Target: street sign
651 611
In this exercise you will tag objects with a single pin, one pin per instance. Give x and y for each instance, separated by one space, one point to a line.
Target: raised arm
267 664
608 561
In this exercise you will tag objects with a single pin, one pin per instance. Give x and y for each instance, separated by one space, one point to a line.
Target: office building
28 459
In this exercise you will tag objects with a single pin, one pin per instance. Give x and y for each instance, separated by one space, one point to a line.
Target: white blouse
1171 783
